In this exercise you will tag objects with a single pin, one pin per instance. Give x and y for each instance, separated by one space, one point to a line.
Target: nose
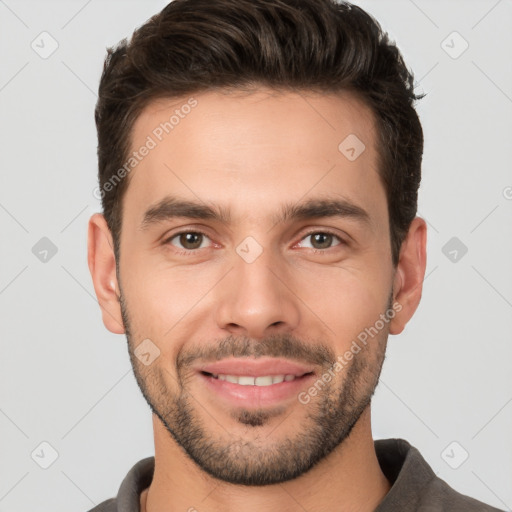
256 299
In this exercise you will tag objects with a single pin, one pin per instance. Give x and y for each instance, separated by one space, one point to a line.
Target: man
259 163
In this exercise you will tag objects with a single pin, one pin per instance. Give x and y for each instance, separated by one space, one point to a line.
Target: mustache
277 345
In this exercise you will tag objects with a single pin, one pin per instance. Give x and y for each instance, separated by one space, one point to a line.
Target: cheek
346 300
162 299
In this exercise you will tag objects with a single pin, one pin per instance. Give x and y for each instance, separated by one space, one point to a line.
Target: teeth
245 380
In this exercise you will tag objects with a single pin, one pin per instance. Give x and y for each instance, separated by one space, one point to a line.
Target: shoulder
414 485
438 496
128 497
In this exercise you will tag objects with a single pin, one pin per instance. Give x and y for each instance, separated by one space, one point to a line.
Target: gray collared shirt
414 486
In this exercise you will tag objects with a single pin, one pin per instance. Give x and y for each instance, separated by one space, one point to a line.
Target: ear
102 265
409 275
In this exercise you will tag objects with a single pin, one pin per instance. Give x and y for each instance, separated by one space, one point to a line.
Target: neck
348 479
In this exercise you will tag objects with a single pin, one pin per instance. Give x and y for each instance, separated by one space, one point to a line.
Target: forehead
253 150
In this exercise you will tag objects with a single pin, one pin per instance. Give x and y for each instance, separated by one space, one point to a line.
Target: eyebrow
172 207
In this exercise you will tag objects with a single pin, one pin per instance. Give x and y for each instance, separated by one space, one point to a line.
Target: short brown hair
323 45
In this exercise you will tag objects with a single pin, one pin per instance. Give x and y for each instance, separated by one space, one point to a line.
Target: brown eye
191 240
324 240
188 240
321 240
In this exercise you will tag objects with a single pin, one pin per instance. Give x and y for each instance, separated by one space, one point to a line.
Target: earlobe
102 265
409 275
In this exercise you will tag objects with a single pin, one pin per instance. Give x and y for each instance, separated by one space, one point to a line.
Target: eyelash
191 252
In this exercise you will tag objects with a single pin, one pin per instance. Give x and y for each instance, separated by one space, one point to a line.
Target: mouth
256 380
256 368
251 382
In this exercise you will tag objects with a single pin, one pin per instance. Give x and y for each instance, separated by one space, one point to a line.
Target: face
255 257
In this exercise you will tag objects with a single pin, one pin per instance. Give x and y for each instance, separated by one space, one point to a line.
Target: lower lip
256 396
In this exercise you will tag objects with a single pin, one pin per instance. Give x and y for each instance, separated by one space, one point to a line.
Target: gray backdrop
72 419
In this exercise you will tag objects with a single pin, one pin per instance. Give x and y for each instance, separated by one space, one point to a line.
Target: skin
251 153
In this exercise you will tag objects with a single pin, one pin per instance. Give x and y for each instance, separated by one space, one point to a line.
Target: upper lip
256 367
